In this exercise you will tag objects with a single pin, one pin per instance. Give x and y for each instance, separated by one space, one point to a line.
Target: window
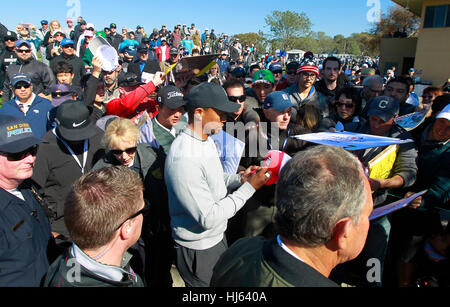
437 16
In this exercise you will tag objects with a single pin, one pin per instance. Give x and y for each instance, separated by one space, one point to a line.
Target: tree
286 27
398 22
261 43
398 19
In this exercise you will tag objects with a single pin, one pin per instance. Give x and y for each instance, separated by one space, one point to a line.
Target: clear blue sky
232 17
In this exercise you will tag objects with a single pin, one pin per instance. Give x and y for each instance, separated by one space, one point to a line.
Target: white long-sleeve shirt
199 200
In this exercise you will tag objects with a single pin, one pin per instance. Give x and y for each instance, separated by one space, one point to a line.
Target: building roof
415 6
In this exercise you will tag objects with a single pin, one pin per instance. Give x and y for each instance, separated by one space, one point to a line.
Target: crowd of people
112 168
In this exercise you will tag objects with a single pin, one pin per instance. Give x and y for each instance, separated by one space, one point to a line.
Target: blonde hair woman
121 142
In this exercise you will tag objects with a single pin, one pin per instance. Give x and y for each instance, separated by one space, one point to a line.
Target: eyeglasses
13 157
19 85
23 50
130 151
347 105
309 76
144 211
236 98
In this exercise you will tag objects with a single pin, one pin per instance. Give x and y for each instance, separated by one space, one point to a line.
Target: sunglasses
291 72
129 151
68 46
347 105
19 85
61 94
23 50
277 72
427 96
236 98
21 155
144 211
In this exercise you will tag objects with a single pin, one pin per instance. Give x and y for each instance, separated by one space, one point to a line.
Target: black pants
196 266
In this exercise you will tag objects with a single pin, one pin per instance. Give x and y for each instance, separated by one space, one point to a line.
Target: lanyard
85 151
283 246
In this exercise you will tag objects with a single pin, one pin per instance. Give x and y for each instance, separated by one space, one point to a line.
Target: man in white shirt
199 200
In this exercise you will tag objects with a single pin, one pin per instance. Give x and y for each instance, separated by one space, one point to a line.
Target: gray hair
372 79
316 189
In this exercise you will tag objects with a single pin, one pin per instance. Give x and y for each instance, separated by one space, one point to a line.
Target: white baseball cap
445 113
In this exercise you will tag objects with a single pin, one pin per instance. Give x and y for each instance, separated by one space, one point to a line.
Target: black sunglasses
19 85
236 98
129 151
144 211
61 94
13 157
291 72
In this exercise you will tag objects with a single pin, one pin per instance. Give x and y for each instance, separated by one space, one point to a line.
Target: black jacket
25 239
56 170
41 77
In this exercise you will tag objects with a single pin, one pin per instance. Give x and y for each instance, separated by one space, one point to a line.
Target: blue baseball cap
16 135
278 100
20 77
384 107
67 41
21 42
275 67
44 22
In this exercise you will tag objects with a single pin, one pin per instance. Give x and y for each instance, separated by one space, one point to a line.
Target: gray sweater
199 200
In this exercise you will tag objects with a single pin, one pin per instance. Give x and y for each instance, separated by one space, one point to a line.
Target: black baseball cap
16 135
211 95
113 25
171 96
74 122
384 107
174 50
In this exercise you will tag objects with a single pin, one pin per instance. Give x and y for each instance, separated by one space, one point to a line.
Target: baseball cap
211 95
384 107
10 35
171 96
74 122
142 48
292 65
264 76
70 19
44 22
88 33
61 92
113 25
57 31
275 67
21 42
67 41
90 25
131 50
238 72
445 113
16 135
20 77
278 100
173 50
